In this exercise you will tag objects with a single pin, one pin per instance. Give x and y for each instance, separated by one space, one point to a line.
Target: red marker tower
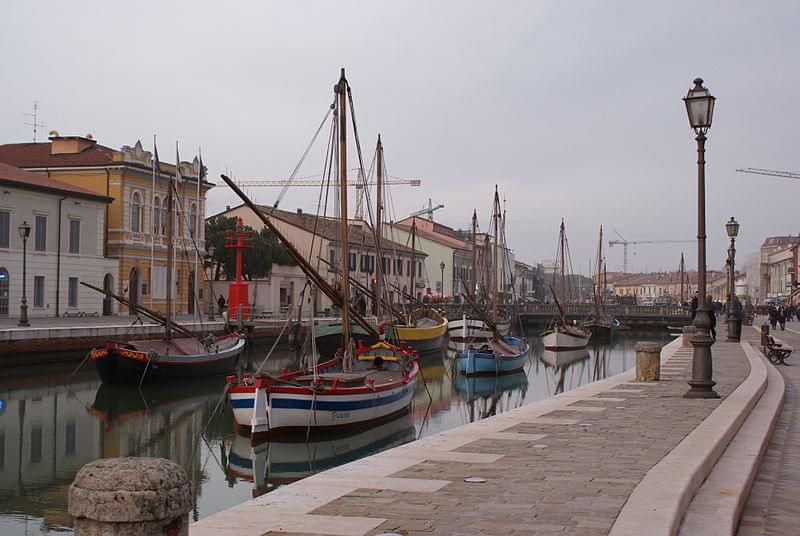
239 239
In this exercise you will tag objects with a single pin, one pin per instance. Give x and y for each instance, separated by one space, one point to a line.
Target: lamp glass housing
699 107
24 230
732 227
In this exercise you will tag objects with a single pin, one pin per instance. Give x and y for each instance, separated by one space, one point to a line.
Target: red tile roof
34 155
19 178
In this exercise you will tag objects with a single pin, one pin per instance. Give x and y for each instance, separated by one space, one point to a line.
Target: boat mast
379 224
496 210
597 300
170 249
414 252
682 275
474 281
563 278
340 90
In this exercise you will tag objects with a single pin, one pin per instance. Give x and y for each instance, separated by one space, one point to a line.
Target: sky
573 108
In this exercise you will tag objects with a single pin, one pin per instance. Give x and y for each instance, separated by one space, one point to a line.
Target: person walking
221 303
694 305
781 318
712 316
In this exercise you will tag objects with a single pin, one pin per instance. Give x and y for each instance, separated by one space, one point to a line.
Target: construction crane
770 173
625 243
428 209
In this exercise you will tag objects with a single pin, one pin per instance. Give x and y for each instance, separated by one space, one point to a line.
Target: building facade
65 246
135 230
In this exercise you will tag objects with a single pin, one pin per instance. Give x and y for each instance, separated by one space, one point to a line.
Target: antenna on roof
35 116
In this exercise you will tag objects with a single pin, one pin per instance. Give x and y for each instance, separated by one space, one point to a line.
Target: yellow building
136 221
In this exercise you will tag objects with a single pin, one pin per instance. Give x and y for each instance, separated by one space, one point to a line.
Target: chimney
299 211
227 208
69 144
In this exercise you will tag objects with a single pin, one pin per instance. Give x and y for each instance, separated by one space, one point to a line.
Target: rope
78 368
275 344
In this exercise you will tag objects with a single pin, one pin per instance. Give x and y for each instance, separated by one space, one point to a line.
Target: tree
256 262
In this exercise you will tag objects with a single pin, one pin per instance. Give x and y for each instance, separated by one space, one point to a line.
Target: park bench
775 351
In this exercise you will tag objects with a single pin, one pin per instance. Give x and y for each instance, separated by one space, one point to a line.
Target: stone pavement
564 465
773 506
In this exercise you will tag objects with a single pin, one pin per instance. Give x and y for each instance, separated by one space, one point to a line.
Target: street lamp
734 329
211 250
24 233
442 267
700 109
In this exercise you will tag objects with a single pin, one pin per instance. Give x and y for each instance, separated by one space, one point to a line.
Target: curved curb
656 506
717 506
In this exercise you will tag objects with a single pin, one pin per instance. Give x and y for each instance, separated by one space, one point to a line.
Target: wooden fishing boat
473 329
361 385
424 330
380 384
561 335
601 323
174 359
499 354
328 337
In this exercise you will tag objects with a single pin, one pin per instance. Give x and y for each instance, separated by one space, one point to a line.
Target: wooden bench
775 351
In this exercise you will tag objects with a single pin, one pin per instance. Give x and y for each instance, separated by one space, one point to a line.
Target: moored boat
565 338
496 356
174 359
424 331
471 328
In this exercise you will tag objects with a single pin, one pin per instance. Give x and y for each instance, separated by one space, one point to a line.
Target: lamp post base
23 316
701 384
734 330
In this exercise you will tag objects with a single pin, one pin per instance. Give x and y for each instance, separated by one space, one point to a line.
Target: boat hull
476 329
328 337
422 339
476 361
134 362
559 339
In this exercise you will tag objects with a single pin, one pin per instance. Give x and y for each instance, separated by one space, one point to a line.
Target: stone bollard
131 497
688 333
648 361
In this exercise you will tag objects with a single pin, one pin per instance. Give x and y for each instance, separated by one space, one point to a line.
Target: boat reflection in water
488 395
564 358
271 463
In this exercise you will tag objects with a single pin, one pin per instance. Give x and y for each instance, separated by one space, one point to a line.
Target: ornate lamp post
734 331
24 233
211 250
700 108
442 267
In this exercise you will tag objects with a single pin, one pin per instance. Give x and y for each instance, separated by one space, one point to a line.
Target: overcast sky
573 108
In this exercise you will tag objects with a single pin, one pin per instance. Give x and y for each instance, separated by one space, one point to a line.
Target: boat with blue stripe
497 356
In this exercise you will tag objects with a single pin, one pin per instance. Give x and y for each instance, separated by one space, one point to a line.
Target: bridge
642 316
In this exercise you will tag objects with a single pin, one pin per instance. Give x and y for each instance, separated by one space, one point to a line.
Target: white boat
473 329
564 358
565 338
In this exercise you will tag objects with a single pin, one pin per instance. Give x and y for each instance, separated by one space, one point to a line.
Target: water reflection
48 431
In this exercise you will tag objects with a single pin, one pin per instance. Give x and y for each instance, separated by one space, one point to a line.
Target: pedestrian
221 303
773 316
712 316
694 305
781 318
787 314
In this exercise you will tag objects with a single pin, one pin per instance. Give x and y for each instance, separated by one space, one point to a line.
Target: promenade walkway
773 507
583 463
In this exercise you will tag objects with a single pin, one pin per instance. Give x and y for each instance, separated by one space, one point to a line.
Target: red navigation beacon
239 239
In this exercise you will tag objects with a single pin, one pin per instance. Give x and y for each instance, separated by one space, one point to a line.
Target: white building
65 246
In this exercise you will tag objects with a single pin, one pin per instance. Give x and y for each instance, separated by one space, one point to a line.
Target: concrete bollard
688 333
648 361
131 497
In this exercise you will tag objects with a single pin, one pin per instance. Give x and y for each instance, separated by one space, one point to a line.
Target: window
5 227
72 292
40 234
399 266
74 236
36 445
193 220
408 267
352 262
38 291
419 268
136 212
332 259
156 215
164 217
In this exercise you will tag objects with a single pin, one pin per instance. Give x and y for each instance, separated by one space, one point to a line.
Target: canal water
49 430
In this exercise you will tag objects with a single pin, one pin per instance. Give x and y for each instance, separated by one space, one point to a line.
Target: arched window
136 212
193 220
156 215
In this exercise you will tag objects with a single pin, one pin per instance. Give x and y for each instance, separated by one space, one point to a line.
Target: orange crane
770 173
625 243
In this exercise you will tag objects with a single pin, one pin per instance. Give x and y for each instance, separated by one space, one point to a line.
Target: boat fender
371 383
